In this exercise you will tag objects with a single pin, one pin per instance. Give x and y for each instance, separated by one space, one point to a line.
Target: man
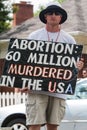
48 109
84 73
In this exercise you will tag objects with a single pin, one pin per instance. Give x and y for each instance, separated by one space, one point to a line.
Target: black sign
41 65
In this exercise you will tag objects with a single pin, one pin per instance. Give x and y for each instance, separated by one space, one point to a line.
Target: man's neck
50 28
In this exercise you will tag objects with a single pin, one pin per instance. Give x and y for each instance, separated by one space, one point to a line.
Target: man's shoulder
68 36
65 33
38 31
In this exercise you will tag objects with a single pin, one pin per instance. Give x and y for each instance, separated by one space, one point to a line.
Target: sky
36 3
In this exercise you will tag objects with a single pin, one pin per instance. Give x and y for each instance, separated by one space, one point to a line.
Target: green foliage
15 8
41 7
60 1
4 16
38 11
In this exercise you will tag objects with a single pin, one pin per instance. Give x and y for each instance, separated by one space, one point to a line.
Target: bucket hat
53 7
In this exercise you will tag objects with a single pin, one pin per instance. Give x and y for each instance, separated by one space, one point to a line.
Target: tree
41 7
4 16
60 1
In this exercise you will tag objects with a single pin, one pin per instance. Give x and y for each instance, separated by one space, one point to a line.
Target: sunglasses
53 12
84 73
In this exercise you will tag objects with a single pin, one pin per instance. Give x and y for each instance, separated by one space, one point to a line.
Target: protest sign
41 65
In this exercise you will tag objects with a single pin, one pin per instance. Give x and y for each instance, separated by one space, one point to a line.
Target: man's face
84 74
53 18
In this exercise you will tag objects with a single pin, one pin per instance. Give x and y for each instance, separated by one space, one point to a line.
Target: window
80 90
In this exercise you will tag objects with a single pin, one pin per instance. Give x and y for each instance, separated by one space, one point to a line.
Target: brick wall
25 11
1 65
4 89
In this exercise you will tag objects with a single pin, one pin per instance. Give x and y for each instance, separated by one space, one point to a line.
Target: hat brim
54 8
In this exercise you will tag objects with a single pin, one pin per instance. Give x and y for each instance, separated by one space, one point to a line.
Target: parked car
74 119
